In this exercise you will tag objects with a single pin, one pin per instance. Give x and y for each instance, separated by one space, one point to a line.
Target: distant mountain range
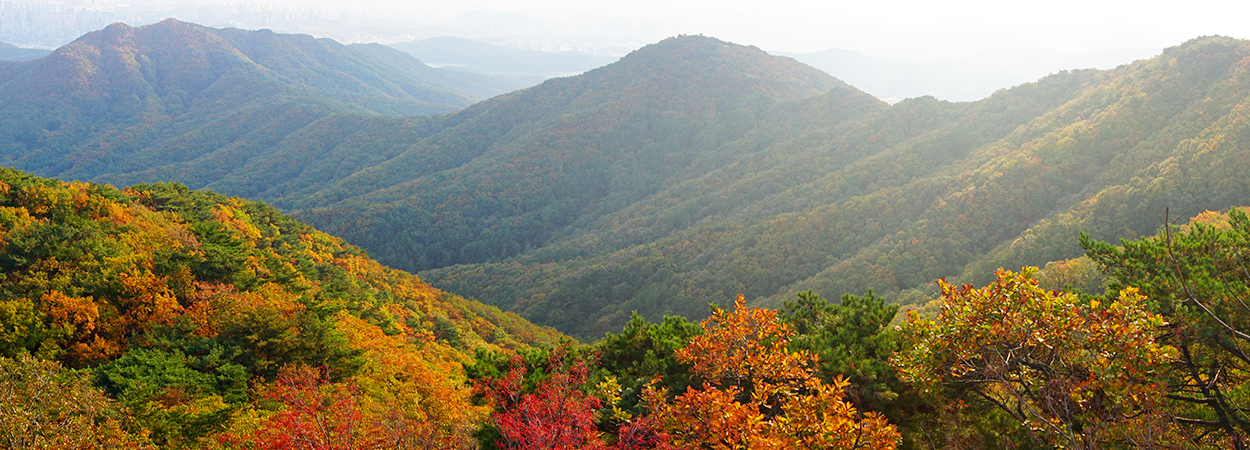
967 79
176 99
453 52
10 52
685 173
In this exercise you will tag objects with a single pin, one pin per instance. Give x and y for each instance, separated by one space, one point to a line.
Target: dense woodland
160 317
688 172
730 235
185 314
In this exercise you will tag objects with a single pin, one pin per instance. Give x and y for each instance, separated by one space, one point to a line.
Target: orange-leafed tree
1077 373
756 394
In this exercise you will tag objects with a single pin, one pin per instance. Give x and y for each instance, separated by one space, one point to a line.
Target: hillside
10 52
693 170
911 193
185 302
517 171
179 98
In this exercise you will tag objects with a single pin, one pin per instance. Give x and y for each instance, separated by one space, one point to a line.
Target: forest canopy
171 318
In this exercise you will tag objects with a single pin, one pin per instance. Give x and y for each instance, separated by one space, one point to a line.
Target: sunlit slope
91 271
520 170
187 306
917 191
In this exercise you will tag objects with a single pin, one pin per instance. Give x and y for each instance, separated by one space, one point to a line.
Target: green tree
852 339
643 351
179 403
1196 277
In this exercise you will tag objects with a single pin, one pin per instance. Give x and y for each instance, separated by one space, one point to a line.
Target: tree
851 339
1196 277
45 406
1081 374
175 395
644 350
757 394
556 415
316 414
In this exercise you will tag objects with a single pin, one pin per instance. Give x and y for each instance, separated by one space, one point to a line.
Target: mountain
518 171
180 304
902 195
491 59
124 99
652 119
693 170
10 52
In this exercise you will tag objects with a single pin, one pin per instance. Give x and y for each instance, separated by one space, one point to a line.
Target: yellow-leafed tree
756 394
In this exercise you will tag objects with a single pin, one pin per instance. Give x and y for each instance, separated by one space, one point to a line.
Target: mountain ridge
694 170
629 100
177 98
957 195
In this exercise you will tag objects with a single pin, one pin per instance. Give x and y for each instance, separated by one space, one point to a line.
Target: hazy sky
982 45
902 29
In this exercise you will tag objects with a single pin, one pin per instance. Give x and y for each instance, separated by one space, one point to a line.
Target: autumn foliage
199 316
557 414
317 413
157 317
45 406
756 394
1081 374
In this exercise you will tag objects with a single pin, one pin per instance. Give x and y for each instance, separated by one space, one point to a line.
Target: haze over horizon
987 39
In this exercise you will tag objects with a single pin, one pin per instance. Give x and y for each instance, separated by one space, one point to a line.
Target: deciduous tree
1196 277
45 406
1082 374
756 394
556 415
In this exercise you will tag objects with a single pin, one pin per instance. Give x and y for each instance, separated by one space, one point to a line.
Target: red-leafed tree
556 415
316 415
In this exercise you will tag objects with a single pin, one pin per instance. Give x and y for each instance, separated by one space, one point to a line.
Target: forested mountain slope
173 99
187 303
693 170
515 172
917 191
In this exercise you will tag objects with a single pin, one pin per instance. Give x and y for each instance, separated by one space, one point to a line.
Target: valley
220 238
688 172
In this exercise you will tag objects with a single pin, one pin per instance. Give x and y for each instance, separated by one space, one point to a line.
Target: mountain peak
726 68
693 41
